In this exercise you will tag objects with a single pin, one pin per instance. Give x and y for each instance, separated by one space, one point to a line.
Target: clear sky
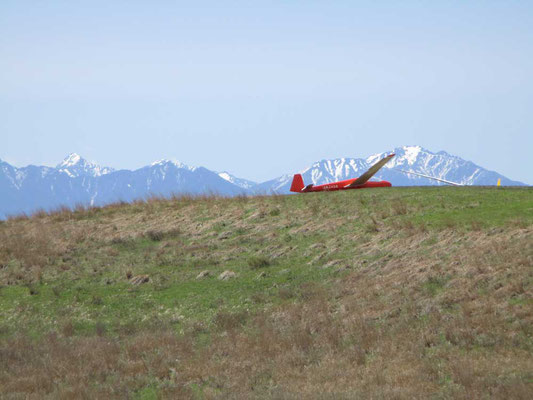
263 88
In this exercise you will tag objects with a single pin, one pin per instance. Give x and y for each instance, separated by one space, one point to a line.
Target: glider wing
430 177
370 173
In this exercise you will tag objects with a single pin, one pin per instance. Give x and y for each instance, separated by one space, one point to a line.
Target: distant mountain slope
408 158
78 181
242 183
162 178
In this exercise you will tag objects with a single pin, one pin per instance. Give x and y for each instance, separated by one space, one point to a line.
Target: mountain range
78 181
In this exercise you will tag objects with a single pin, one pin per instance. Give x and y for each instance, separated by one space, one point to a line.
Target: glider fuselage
344 185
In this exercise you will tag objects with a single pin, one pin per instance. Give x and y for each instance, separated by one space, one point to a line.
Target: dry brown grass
33 244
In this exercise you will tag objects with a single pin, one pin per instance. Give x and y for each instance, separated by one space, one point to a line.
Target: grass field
384 293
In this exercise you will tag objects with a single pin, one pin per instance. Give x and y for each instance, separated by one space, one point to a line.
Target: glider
356 183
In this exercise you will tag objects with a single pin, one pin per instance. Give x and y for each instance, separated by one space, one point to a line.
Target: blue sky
265 88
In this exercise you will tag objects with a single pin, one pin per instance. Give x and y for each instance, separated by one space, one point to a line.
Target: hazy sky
265 88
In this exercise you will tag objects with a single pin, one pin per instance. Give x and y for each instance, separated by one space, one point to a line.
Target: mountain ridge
77 181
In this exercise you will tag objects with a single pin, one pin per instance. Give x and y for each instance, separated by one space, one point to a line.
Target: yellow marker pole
499 182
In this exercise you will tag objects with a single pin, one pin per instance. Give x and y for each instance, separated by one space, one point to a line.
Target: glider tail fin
297 183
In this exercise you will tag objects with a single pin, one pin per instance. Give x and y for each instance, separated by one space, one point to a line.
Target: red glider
355 183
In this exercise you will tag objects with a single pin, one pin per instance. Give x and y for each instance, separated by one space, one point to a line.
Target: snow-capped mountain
162 178
29 188
408 158
77 181
74 165
439 165
242 183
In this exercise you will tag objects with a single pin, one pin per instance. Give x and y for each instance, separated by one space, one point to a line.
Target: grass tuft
256 262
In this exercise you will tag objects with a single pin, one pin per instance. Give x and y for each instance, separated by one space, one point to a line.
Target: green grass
490 207
180 298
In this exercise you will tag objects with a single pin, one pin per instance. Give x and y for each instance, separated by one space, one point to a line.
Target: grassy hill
386 293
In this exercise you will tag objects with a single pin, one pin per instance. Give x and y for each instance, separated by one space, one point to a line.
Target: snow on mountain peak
74 165
411 153
176 163
404 155
71 159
